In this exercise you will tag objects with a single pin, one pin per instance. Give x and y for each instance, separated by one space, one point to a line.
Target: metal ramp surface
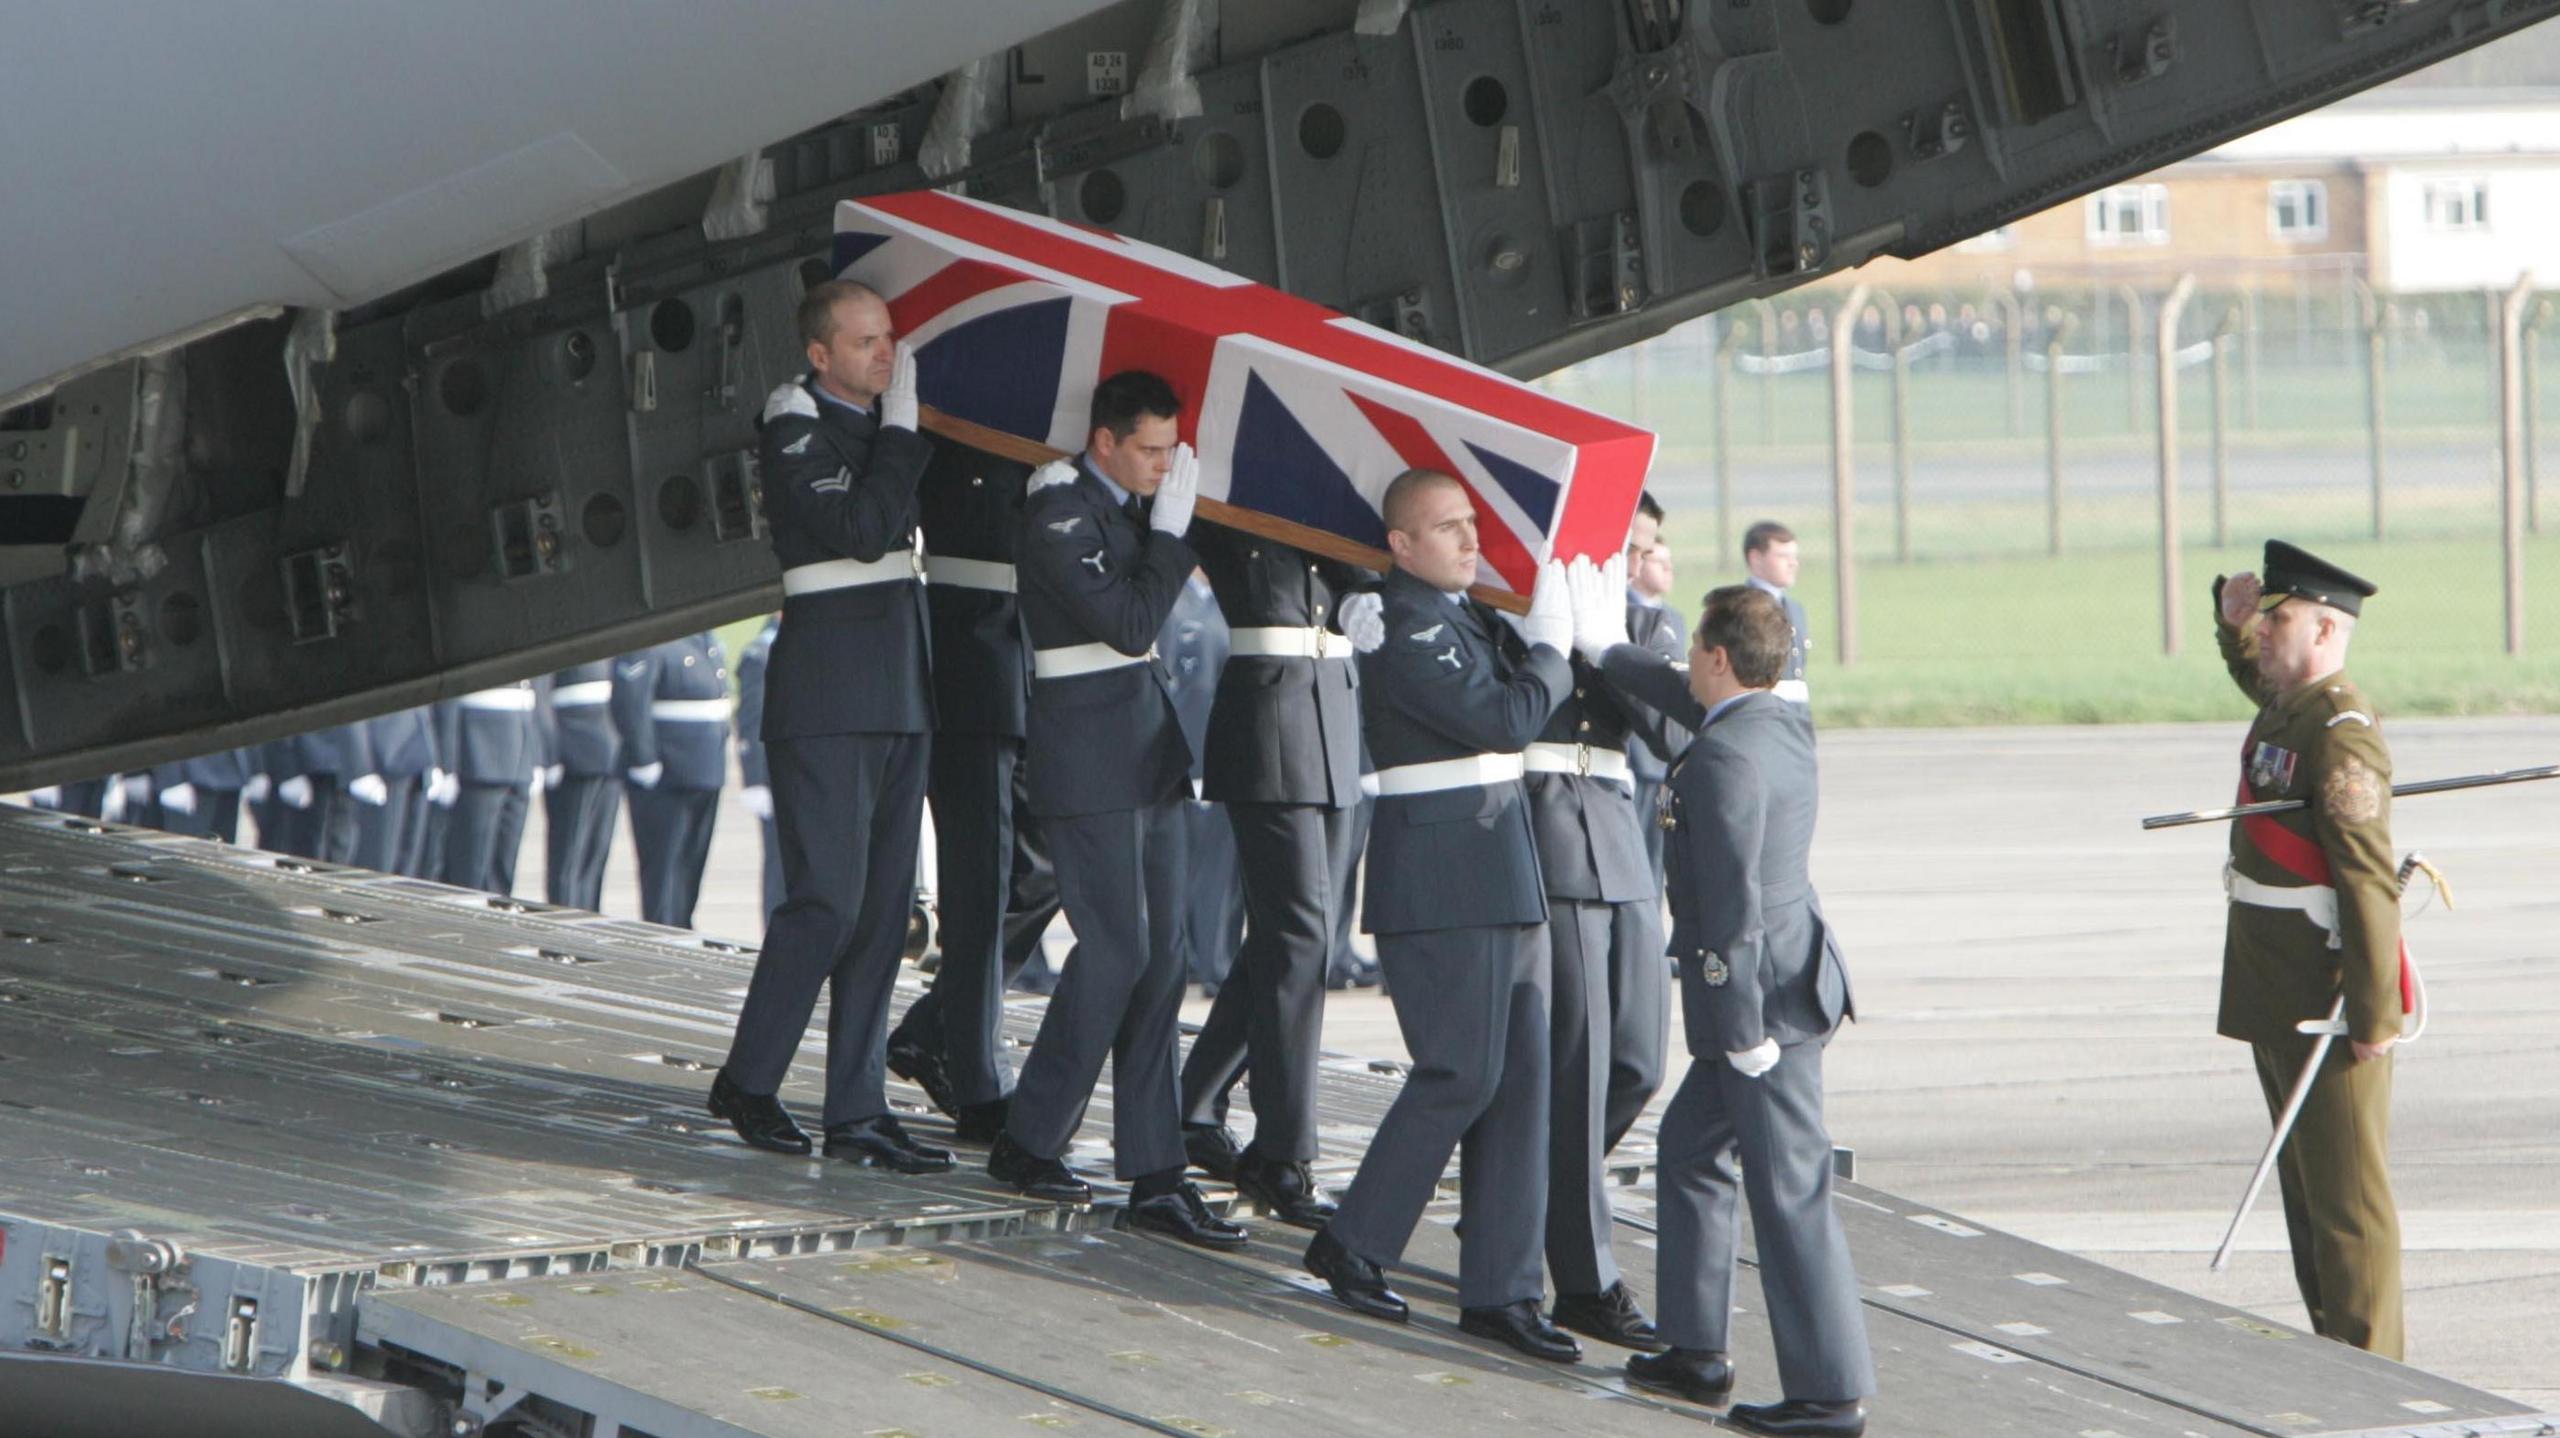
276 1124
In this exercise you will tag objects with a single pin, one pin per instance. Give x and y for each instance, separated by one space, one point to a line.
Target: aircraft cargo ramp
291 1149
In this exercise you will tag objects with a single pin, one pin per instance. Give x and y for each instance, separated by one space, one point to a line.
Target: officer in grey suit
670 704
1770 560
848 721
1283 760
1762 990
584 797
1460 911
1102 560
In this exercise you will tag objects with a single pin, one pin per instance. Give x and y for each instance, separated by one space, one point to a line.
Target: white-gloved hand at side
1550 617
648 775
898 401
444 788
179 798
1176 497
758 799
256 789
1754 1062
1364 621
296 791
371 789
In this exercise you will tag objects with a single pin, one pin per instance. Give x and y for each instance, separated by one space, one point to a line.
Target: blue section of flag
1000 369
1533 492
852 245
1280 469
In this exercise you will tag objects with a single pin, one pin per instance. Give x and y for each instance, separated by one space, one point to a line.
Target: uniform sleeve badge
1712 971
2352 793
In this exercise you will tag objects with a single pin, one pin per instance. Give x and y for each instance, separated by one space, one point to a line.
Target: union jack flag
1295 411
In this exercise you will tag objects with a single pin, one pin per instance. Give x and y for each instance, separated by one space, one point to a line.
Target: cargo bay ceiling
349 360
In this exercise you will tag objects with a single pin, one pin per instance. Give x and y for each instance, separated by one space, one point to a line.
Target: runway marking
2041 1280
2154 1316
1946 1226
1904 1290
2023 1330
1987 1352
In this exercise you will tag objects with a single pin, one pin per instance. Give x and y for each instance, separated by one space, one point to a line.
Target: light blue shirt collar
1726 703
1637 596
1118 495
830 397
1764 586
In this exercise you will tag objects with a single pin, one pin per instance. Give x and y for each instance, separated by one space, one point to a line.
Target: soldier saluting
2315 916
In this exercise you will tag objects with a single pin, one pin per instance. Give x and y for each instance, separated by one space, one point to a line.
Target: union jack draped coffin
1296 411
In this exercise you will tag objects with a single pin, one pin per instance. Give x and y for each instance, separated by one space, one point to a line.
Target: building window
1990 241
2456 204
2298 211
2129 215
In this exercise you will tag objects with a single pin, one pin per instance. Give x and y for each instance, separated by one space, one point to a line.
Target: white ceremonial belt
1545 758
1075 659
2316 902
516 701
985 574
847 573
1474 771
695 711
580 695
1310 642
1794 691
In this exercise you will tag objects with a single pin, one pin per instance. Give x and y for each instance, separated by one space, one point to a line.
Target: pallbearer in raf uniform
1762 989
487 737
2315 914
1284 760
1102 559
848 721
670 704
584 797
1460 912
404 754
951 1041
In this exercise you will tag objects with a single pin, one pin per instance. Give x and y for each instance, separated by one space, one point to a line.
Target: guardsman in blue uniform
755 782
1284 761
490 750
1460 911
950 1041
671 706
322 797
1102 561
404 751
584 796
847 730
202 795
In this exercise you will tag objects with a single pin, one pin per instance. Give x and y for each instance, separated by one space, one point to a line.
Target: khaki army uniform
2288 956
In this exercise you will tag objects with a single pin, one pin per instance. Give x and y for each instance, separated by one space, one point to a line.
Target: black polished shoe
1211 1149
881 1143
1700 1375
759 1118
1360 1284
1286 1191
1524 1328
1027 1173
911 1059
1610 1316
1802 1418
1185 1215
980 1122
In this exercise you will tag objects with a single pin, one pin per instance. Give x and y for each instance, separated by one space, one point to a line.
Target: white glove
1752 1063
111 805
179 798
558 773
898 401
137 789
256 790
534 781
758 799
648 775
444 788
371 789
1599 605
296 791
1177 495
1550 618
1056 471
48 797
1364 621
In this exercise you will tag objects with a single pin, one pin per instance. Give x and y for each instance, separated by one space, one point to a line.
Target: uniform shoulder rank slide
2343 715
2352 793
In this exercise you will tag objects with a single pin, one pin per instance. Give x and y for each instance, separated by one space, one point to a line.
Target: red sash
2300 856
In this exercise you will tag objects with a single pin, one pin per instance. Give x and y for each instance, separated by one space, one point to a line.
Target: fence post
1844 478
2221 437
2058 324
2132 357
2167 343
2249 352
1726 345
1768 371
2533 415
2013 342
2511 452
2377 370
1893 340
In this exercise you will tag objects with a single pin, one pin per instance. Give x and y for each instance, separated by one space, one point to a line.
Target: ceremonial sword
2422 786
2327 1031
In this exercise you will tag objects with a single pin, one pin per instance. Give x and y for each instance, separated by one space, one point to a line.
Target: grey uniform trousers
671 837
1271 1010
580 811
1774 1125
972 791
1639 1020
1120 879
847 810
1578 1216
382 829
1472 1005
